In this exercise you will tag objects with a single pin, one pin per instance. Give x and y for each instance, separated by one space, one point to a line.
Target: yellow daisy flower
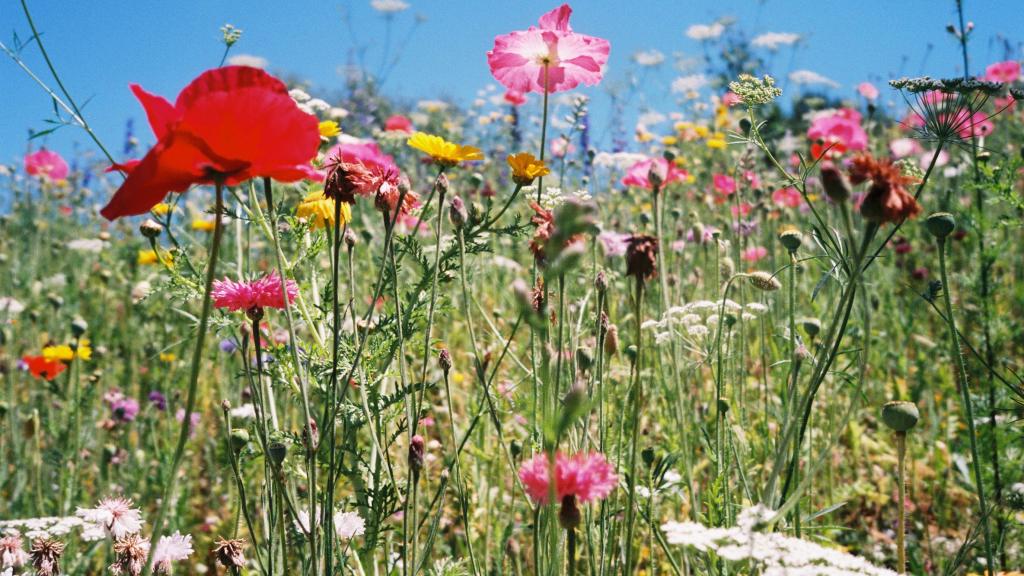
526 168
161 209
151 257
329 129
168 357
200 225
84 351
318 210
442 151
60 352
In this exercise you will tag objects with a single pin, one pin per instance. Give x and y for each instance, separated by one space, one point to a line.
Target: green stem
637 400
901 454
193 384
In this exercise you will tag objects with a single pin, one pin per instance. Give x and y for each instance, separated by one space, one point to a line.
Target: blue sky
99 46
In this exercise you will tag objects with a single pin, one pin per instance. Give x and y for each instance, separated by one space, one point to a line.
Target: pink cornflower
614 243
787 198
46 164
1006 72
725 185
868 91
171 548
638 174
116 515
587 477
836 132
519 58
398 123
254 294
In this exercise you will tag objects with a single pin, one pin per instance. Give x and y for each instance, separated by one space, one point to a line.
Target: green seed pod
791 240
239 438
723 406
648 456
277 452
900 416
941 224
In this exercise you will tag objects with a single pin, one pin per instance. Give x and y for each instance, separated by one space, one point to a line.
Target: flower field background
289 333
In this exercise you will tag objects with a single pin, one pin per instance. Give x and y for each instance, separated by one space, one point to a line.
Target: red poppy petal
159 111
228 79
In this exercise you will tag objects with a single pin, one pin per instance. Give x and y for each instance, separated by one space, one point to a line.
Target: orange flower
887 199
40 367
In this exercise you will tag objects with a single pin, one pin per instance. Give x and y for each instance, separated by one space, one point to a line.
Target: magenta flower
255 294
46 164
754 253
638 174
614 243
724 185
398 123
787 198
519 58
364 152
515 97
1006 72
587 477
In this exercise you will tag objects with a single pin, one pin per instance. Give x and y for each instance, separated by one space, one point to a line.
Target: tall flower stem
535 380
433 300
328 512
635 449
299 373
193 383
901 523
965 396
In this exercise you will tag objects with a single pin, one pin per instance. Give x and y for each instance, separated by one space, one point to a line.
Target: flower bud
812 326
350 238
763 281
150 228
239 439
584 358
444 360
569 515
601 282
835 184
611 340
457 212
78 327
791 240
416 449
443 185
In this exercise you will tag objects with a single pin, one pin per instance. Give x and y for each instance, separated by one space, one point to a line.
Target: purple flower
614 243
194 420
158 400
228 345
124 409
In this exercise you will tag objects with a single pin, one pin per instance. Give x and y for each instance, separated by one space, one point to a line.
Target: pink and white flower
116 515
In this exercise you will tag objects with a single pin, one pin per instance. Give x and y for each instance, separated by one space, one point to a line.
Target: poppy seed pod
791 240
900 416
277 452
150 228
940 224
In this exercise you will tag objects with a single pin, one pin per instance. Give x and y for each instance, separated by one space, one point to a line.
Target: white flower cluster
618 160
696 319
32 528
552 197
307 103
773 553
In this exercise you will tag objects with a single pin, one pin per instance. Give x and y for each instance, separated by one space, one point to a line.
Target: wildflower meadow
772 328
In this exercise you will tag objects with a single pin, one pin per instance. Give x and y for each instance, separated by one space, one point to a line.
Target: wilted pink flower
837 132
1006 72
116 515
263 293
398 123
868 91
638 174
46 164
586 476
753 254
725 185
787 198
515 97
519 58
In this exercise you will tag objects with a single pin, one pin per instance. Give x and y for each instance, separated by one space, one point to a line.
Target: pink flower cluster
551 58
588 477
1005 72
263 293
46 164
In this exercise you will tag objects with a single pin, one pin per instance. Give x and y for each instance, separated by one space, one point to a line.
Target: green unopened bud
239 439
900 416
78 327
812 326
791 240
648 456
584 358
631 353
940 224
763 281
277 451
150 228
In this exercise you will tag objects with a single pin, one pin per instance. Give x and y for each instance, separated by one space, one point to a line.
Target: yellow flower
329 129
60 352
318 210
151 257
201 225
526 168
716 143
701 131
160 209
84 351
442 151
458 377
669 140
167 357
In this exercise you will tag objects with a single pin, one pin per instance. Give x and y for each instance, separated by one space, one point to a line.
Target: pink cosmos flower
46 164
837 132
519 58
868 91
515 97
754 253
637 175
262 293
398 123
116 515
1007 72
588 477
903 147
787 198
725 185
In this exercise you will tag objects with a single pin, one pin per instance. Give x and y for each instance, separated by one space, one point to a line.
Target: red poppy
40 367
230 124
